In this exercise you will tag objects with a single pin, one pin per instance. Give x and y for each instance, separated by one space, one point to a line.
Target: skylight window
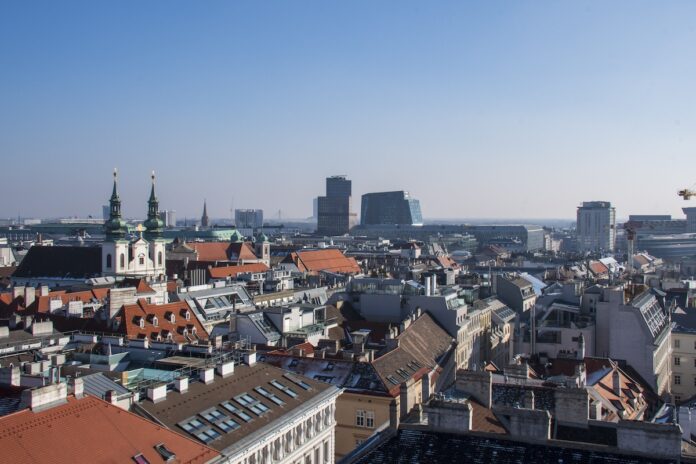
213 415
287 390
192 425
269 395
220 420
166 454
392 379
140 459
206 436
297 381
237 412
252 404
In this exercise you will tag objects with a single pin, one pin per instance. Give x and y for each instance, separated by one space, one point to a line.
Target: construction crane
687 193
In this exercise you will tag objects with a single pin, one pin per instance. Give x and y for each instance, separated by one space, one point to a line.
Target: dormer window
188 315
155 322
171 317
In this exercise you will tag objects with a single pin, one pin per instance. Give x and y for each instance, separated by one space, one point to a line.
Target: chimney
181 384
225 369
434 284
207 375
44 397
581 347
427 286
250 358
17 292
529 399
10 376
616 382
29 296
78 387
43 290
157 393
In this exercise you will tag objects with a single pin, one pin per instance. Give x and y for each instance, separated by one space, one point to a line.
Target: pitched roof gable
131 315
331 260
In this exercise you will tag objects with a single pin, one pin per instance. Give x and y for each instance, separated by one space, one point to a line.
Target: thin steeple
115 227
204 218
153 224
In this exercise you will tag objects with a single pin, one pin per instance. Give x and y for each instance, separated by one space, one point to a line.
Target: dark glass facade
390 208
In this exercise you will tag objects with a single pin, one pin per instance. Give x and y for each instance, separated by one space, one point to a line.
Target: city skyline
480 110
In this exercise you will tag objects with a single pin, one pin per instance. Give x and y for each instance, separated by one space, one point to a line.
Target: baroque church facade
143 257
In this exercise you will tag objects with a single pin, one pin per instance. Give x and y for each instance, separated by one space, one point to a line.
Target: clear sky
479 109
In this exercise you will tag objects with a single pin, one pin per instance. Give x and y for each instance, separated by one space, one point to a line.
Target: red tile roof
597 267
210 251
131 315
223 251
331 260
233 271
241 251
90 430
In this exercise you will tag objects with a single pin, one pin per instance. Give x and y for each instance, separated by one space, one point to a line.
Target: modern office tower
168 217
248 218
106 212
690 219
390 208
333 210
596 228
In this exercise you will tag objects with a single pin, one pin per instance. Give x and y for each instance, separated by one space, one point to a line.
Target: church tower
153 234
204 219
263 249
115 248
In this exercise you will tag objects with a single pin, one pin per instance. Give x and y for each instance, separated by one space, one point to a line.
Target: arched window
122 261
108 261
159 258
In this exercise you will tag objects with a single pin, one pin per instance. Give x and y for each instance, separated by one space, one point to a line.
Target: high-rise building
334 216
106 212
690 219
168 217
248 218
390 208
596 228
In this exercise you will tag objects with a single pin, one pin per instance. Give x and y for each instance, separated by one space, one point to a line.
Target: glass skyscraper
390 208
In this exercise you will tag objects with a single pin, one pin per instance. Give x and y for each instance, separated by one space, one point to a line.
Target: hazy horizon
490 109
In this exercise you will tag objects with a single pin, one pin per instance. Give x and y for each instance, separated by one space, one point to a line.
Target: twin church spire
116 227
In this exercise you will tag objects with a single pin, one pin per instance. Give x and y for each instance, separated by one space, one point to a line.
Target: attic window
155 322
166 454
140 459
188 316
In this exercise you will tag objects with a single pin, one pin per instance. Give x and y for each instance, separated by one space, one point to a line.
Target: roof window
166 454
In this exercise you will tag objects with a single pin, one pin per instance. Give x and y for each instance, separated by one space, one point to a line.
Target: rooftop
91 430
235 407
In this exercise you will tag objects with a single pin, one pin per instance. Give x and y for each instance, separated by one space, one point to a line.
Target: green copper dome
235 236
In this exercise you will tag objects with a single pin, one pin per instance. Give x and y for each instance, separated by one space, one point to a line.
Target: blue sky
479 109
